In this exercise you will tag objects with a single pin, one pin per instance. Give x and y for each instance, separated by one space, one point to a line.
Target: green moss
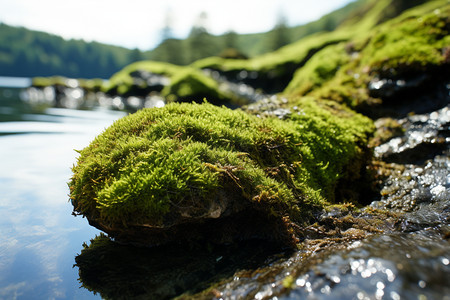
292 54
151 163
320 68
192 85
186 83
122 80
412 43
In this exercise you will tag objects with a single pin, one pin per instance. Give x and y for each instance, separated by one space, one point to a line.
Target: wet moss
164 166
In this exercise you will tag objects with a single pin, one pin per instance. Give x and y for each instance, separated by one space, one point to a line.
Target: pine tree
280 35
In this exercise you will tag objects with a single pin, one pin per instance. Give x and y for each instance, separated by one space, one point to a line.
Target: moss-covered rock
124 83
175 83
193 85
206 172
408 52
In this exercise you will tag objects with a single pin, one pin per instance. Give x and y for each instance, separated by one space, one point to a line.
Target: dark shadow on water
126 272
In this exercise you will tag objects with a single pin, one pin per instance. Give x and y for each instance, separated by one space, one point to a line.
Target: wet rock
396 266
392 265
424 93
272 106
423 190
145 83
387 128
425 136
247 93
388 88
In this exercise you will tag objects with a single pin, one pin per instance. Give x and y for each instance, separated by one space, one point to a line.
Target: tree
280 35
167 31
172 51
231 49
200 42
231 39
135 55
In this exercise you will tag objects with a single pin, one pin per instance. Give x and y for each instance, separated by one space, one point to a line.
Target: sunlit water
39 237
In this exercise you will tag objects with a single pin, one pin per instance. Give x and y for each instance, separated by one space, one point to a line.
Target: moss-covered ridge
182 83
410 45
187 163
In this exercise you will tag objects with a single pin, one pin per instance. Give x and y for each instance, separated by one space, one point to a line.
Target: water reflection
39 237
126 272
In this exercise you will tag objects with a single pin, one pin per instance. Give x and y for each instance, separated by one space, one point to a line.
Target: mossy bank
207 172
403 58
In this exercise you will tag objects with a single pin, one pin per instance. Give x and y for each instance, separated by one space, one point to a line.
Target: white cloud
137 23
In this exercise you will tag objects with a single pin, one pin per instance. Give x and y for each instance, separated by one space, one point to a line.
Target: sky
138 23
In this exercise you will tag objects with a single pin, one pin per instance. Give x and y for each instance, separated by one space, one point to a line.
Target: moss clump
49 81
411 44
413 41
191 84
95 84
185 163
294 53
183 84
122 81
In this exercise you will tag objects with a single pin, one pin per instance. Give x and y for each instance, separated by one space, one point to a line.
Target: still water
39 238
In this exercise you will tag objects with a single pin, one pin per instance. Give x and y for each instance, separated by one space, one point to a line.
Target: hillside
29 53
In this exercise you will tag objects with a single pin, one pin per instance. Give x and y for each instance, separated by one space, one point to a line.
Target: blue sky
138 23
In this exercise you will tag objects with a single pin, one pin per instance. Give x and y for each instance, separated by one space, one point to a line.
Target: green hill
25 52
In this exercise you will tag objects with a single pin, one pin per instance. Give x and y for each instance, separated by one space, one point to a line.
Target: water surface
39 237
